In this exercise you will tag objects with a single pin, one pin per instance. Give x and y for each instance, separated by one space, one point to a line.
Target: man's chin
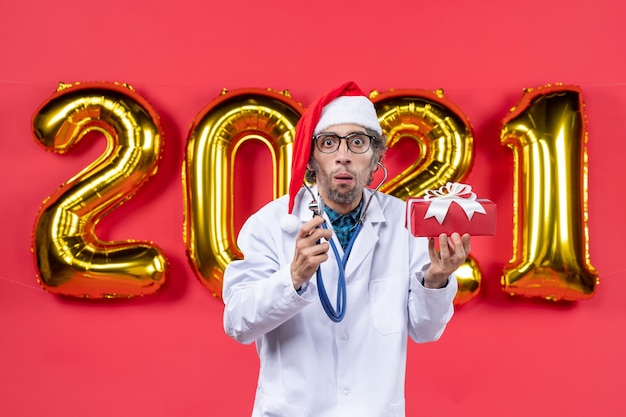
343 196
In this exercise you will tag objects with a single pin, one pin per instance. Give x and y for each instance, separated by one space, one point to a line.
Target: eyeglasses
356 142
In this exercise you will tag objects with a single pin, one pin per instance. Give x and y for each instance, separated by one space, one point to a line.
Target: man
345 357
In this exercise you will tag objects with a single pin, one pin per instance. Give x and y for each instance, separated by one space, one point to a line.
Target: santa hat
345 104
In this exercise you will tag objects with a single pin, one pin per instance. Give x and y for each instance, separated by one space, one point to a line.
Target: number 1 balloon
547 133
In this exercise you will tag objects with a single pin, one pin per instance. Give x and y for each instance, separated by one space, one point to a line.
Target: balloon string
12 281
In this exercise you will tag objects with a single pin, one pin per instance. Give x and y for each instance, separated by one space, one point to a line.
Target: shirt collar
351 217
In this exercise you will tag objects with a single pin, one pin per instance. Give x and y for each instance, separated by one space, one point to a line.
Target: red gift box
453 208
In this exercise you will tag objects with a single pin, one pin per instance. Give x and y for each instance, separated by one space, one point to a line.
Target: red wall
166 354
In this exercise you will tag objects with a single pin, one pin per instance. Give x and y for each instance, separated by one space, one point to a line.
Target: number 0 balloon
216 134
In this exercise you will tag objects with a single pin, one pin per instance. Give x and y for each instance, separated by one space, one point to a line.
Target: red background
167 355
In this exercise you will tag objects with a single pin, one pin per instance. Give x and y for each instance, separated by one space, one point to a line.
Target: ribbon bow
453 192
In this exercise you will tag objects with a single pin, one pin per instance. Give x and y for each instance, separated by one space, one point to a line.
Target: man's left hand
452 253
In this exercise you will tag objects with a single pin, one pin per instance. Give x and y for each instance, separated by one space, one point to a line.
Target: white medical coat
309 365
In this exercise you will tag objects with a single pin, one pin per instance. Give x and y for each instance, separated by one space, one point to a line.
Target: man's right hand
310 251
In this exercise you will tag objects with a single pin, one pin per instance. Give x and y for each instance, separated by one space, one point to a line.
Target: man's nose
343 153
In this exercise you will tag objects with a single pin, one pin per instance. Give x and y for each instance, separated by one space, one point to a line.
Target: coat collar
374 212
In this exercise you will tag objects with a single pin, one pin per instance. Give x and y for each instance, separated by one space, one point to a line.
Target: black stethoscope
317 207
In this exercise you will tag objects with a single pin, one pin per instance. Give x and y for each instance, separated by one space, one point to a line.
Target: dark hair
378 145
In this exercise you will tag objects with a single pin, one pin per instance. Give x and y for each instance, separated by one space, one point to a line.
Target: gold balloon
444 137
215 135
469 278
547 133
442 132
69 258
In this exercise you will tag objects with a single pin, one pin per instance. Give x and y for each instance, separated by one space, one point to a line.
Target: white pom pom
290 223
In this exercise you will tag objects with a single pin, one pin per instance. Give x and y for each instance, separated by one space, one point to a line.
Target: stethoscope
317 207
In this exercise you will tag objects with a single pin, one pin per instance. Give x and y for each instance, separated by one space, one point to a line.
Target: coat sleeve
257 291
429 309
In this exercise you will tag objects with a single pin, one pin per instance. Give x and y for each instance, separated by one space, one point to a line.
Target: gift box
453 208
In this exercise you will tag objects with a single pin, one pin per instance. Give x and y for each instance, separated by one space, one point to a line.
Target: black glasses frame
347 138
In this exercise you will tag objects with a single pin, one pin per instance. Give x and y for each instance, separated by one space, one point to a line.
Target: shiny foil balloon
441 131
469 277
216 134
70 259
547 133
444 139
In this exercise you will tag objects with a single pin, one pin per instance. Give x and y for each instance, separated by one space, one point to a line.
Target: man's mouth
343 178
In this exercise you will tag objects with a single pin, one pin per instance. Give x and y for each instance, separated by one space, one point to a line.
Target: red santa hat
345 104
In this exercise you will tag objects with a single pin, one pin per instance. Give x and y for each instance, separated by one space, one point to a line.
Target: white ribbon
453 192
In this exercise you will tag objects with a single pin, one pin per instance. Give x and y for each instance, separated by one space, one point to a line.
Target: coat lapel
368 236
